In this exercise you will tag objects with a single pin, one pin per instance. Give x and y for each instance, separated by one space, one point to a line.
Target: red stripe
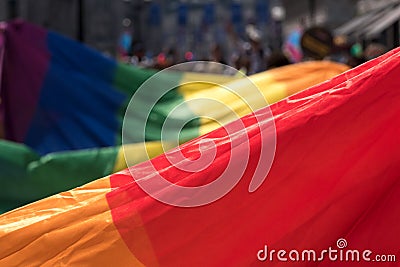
335 175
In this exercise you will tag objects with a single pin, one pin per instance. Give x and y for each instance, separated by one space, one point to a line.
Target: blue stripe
78 105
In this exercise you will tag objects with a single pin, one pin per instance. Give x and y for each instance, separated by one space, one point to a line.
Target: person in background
256 52
217 55
137 53
125 41
292 45
356 55
340 50
374 50
277 59
167 58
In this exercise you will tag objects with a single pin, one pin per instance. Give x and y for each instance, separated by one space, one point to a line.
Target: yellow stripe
274 85
235 96
193 82
139 152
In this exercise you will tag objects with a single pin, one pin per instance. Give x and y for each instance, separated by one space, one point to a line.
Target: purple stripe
23 76
2 39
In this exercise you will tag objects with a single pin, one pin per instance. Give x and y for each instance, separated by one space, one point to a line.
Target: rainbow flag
333 186
74 100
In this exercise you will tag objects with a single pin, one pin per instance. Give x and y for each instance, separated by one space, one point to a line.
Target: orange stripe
81 229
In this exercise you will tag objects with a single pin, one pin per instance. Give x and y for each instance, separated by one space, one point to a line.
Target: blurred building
92 21
378 23
185 24
3 10
365 6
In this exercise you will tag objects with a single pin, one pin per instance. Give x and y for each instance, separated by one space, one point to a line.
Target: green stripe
129 79
26 177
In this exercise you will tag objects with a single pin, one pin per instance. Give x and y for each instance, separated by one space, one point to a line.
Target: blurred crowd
247 54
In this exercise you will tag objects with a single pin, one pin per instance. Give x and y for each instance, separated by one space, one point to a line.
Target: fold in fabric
334 176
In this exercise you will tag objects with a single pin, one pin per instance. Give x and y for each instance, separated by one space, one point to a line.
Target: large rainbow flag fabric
331 194
64 104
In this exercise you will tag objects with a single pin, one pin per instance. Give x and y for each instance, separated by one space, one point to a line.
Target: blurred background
253 35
